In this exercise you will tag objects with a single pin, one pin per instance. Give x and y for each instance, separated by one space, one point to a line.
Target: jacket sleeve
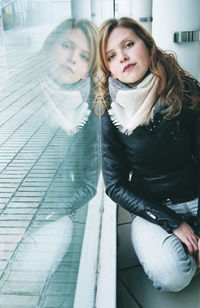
196 147
118 188
86 164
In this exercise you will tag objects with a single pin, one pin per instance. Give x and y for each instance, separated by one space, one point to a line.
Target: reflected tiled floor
32 187
134 288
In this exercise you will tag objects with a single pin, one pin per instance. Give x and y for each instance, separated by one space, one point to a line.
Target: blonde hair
175 84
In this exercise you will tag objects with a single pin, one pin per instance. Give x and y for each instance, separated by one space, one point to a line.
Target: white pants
41 251
161 254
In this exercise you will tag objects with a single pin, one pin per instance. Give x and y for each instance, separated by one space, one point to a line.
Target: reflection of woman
151 150
72 49
68 86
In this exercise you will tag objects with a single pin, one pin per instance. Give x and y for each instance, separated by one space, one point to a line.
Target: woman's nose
123 57
73 57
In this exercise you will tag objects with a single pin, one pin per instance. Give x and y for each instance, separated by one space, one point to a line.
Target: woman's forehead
118 35
76 36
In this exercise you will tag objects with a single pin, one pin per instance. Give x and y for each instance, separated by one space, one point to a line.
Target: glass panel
49 149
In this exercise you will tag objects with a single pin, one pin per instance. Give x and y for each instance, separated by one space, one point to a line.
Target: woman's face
70 57
127 56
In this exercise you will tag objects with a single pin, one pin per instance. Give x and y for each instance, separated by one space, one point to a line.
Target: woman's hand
186 235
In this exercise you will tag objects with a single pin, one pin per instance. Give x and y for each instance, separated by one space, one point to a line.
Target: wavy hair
176 86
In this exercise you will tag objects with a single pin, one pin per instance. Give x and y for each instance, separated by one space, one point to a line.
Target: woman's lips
129 67
67 68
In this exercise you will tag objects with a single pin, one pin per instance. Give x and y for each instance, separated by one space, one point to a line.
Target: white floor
134 288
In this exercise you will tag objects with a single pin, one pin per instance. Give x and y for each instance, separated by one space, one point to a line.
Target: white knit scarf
132 107
68 105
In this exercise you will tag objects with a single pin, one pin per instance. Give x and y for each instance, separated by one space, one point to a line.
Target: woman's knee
163 257
174 283
177 270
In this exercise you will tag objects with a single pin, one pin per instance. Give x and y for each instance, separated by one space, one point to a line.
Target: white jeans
161 254
40 252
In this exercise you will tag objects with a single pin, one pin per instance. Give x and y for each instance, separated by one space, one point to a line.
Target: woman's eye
110 57
66 46
85 58
130 44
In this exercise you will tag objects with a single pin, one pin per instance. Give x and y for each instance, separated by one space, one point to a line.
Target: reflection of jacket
156 162
75 146
81 163
77 158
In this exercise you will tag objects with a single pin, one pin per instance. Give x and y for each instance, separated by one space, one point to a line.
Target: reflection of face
127 56
70 57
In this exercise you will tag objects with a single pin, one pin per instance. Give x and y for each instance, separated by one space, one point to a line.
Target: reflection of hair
175 83
90 31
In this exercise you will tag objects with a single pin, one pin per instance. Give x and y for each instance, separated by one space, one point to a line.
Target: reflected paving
33 193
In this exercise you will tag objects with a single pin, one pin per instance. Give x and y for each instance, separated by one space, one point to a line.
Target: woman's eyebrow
121 43
85 51
66 40
75 45
109 51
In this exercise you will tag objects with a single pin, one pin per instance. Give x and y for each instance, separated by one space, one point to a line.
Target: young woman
151 150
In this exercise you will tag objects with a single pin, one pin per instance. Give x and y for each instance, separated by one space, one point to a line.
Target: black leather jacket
157 162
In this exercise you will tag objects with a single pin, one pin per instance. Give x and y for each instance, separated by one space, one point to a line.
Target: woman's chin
65 80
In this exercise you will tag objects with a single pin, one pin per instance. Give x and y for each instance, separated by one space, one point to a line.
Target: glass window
49 149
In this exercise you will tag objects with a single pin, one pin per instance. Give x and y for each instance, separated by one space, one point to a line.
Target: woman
151 150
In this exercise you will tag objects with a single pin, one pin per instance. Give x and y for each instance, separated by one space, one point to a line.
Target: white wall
173 16
142 9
